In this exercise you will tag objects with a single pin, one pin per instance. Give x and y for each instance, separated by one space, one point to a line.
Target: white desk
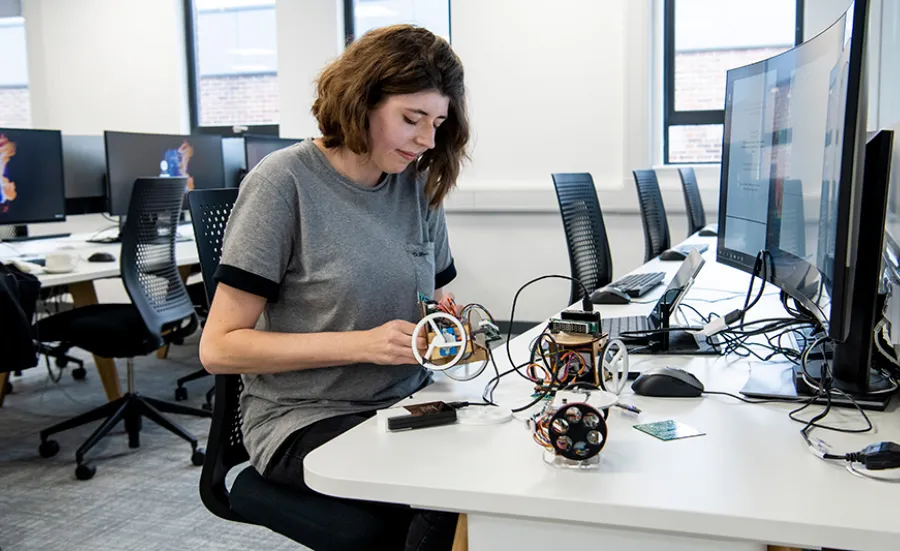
749 482
81 280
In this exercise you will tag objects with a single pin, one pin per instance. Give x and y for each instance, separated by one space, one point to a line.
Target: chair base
181 392
130 408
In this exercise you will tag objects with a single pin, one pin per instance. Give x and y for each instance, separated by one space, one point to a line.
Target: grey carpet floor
140 499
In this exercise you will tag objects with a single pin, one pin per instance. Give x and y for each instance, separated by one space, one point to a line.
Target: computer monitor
257 147
795 117
892 219
84 170
235 161
31 177
130 156
801 116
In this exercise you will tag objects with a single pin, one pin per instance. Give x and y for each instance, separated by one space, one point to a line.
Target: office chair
159 313
589 257
320 522
18 296
653 214
692 201
210 210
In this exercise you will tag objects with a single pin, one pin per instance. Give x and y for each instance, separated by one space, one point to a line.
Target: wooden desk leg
185 272
461 537
4 378
83 294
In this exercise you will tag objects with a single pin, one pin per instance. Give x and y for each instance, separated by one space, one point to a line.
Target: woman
328 248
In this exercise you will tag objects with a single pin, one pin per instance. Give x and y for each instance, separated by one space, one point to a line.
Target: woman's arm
230 344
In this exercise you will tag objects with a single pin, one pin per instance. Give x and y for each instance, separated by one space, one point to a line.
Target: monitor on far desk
31 180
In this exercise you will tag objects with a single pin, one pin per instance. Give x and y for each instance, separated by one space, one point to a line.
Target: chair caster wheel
181 394
206 406
198 456
79 373
48 448
85 472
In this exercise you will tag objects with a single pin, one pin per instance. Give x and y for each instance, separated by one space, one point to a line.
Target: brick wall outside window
238 99
15 107
700 85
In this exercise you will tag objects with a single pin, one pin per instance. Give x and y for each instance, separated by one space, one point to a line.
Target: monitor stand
786 382
21 234
676 342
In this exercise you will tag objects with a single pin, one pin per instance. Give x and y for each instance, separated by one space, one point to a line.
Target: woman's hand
391 344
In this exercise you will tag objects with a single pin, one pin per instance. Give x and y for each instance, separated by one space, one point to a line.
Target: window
15 105
703 39
364 15
233 65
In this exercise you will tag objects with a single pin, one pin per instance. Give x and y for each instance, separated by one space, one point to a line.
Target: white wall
99 65
310 34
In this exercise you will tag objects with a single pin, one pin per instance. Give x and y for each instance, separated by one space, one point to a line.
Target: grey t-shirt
329 255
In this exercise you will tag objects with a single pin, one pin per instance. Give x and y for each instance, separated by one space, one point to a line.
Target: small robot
458 338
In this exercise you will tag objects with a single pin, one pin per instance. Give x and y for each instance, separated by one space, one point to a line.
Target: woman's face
403 127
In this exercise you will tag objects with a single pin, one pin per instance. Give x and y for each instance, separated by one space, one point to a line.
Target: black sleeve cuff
446 276
247 282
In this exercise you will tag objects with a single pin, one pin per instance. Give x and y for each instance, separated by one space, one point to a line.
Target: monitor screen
31 176
130 156
892 221
257 147
789 165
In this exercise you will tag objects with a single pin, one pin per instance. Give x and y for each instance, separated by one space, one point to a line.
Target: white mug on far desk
59 262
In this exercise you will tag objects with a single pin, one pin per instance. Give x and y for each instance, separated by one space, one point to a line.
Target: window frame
672 117
190 18
350 21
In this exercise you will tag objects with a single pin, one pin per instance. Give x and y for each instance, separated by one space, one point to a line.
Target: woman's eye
408 120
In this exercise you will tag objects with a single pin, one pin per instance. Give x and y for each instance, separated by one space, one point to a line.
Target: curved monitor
792 164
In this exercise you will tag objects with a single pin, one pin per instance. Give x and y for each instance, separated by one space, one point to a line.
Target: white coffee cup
59 261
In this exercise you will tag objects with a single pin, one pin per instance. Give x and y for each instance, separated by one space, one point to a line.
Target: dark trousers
413 529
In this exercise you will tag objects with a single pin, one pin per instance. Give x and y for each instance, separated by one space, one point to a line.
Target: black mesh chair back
210 209
148 266
692 201
589 256
653 214
225 448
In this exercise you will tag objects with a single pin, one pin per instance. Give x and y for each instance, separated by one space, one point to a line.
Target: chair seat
105 330
318 521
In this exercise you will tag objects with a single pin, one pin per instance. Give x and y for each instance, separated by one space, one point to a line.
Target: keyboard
637 285
616 326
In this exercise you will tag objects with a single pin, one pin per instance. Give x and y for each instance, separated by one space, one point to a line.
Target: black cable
742 399
586 304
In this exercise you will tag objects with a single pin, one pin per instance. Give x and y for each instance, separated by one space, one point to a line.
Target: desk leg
185 272
4 378
83 294
461 538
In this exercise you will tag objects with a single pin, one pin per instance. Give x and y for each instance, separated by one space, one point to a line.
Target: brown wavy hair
395 60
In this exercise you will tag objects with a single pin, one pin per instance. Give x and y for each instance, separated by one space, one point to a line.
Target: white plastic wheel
467 371
614 360
440 341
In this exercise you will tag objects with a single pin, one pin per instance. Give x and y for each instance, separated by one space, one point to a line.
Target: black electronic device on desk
681 252
31 180
638 285
828 259
709 231
667 382
652 331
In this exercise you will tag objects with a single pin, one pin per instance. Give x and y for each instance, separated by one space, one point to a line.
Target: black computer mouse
667 382
102 257
610 295
672 254
706 232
